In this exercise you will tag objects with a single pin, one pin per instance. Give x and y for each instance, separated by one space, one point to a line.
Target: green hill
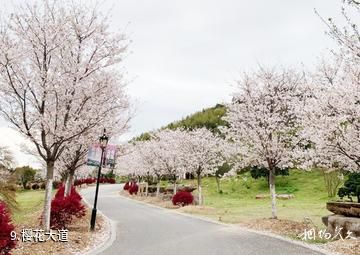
211 118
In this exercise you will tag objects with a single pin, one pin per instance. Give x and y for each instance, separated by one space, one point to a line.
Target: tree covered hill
210 118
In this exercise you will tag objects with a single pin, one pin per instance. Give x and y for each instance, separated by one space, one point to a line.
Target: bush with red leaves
65 209
134 188
88 181
182 198
6 244
111 181
127 186
61 191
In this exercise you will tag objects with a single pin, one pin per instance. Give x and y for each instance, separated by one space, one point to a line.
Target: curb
107 242
237 228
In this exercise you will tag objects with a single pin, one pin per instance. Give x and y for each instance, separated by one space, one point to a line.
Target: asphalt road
146 230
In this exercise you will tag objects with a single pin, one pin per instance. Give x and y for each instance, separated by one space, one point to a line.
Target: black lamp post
103 140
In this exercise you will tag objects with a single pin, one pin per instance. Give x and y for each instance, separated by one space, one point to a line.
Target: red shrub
64 209
182 198
60 192
111 181
89 180
6 244
77 182
127 186
93 180
134 188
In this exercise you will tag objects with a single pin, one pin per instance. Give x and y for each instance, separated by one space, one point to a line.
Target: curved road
146 230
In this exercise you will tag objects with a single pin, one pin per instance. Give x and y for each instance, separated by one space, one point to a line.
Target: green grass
30 203
237 203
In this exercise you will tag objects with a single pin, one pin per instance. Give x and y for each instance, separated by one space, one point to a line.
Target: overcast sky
186 54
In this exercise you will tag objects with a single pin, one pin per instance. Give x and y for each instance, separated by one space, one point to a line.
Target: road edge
107 242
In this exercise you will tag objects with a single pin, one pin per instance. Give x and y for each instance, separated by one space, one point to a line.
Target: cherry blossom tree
266 122
148 152
6 158
333 113
131 162
75 153
56 76
170 153
159 156
7 178
202 154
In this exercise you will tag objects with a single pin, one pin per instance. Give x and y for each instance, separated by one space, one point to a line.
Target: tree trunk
158 189
48 195
69 182
175 187
199 189
272 193
218 184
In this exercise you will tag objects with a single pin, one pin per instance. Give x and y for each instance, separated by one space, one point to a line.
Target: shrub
111 181
258 172
65 209
78 182
42 185
127 186
88 181
6 244
134 188
351 187
61 191
182 198
35 186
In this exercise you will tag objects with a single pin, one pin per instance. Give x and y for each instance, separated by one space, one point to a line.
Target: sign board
94 156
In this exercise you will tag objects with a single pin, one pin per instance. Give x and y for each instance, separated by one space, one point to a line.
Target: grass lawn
30 203
237 203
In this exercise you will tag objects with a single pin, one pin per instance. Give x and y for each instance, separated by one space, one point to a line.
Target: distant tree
202 154
8 179
6 159
25 175
168 155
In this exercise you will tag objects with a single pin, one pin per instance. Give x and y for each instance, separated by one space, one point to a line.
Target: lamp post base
93 219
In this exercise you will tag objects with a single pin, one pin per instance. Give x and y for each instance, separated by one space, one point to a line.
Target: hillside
211 118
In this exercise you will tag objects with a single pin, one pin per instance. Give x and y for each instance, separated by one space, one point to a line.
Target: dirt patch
293 229
281 227
80 238
346 247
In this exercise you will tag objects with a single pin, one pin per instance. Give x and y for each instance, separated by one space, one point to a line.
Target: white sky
185 54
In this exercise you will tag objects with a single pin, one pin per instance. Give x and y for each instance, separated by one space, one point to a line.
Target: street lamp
103 141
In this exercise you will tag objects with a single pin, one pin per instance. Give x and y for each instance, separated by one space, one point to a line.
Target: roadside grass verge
237 203
30 204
